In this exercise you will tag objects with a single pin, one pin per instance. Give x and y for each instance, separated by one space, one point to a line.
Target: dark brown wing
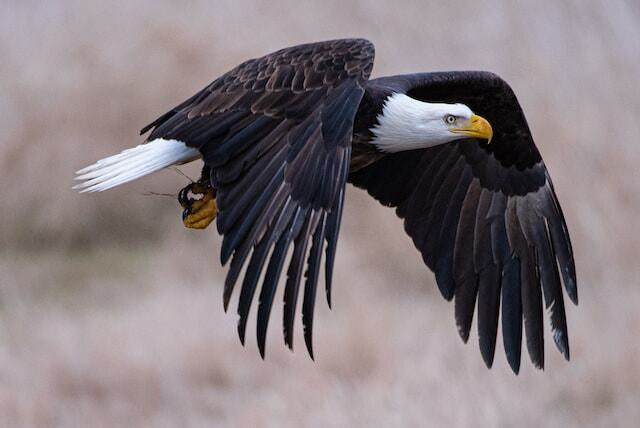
276 133
485 217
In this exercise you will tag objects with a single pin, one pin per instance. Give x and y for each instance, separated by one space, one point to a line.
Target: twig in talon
177 170
170 195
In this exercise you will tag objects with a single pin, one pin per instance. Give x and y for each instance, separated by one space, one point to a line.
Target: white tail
133 163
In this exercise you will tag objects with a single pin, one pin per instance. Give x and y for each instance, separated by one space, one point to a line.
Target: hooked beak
478 128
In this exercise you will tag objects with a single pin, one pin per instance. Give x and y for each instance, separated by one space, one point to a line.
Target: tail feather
132 164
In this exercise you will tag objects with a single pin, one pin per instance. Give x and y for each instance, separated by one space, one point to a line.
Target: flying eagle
281 135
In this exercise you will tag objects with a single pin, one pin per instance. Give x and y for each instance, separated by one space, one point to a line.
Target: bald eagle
281 135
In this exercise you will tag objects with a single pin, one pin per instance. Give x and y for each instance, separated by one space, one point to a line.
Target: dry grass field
111 312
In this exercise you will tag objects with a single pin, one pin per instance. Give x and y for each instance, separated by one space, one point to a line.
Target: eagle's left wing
484 216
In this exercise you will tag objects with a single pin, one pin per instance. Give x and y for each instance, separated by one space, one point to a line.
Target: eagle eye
450 119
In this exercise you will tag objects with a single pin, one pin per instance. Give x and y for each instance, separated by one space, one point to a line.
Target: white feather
133 163
406 123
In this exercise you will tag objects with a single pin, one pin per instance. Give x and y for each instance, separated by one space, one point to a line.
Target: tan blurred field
111 312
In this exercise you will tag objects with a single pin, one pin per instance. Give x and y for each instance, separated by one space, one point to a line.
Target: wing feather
465 276
310 286
294 274
488 304
512 313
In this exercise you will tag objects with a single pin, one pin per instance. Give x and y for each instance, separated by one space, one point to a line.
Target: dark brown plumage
484 216
278 132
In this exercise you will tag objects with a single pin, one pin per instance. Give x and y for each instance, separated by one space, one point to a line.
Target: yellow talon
199 203
202 214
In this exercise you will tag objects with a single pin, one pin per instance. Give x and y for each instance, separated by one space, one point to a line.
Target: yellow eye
450 119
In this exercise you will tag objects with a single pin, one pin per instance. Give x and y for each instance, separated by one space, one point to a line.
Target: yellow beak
478 128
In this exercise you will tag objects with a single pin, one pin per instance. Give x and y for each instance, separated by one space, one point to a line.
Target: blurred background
111 311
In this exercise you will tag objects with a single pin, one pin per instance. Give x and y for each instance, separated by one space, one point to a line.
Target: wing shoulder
288 82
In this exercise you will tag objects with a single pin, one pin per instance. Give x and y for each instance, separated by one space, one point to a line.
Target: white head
406 124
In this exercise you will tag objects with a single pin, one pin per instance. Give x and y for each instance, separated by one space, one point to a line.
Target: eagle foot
198 200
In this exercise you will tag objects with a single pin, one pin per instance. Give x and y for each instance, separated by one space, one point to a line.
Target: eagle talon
199 202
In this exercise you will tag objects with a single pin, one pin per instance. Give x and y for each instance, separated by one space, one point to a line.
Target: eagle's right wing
276 133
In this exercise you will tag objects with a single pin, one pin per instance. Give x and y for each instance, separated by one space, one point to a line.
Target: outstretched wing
484 216
276 133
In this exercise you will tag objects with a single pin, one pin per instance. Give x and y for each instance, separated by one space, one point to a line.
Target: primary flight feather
281 135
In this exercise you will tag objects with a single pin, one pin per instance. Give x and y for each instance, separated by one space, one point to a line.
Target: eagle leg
198 200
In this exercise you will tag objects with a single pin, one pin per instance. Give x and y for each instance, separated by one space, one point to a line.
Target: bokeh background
111 312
